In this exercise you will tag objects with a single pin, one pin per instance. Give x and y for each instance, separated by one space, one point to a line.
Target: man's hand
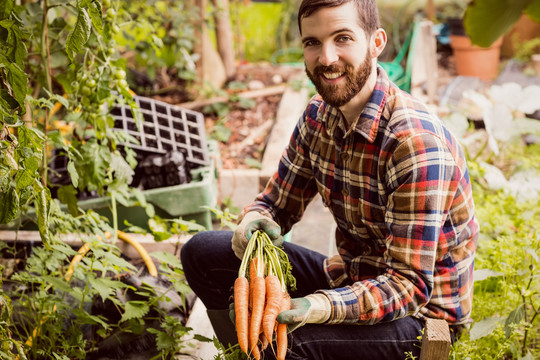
252 222
312 309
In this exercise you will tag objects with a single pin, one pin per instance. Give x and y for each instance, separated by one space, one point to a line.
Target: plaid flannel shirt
397 184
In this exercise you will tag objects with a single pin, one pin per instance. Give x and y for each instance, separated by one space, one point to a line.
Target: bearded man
396 182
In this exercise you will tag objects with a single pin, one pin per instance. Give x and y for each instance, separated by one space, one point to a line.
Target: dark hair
368 14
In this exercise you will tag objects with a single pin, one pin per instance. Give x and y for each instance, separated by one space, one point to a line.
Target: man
396 182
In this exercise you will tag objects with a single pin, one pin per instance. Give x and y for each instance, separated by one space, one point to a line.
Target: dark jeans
211 267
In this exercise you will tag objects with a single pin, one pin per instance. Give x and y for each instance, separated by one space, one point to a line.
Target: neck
352 110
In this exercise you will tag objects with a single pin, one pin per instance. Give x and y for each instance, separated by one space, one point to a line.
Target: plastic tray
164 127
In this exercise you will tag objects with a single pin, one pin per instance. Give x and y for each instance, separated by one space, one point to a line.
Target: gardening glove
252 222
312 309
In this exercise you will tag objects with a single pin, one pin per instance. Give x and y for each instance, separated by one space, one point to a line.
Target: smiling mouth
333 75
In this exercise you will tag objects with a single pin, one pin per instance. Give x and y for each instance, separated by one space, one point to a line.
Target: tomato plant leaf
159 229
485 327
513 318
94 9
163 340
7 102
5 178
58 282
73 174
9 204
23 179
18 81
104 286
5 8
42 199
80 34
167 258
117 262
90 319
68 195
9 159
124 173
20 52
134 310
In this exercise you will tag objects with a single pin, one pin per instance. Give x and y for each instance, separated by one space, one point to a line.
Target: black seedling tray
164 128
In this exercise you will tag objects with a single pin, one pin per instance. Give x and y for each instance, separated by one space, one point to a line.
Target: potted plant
471 59
486 21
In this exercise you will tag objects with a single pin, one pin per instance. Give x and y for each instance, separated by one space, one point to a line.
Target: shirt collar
367 123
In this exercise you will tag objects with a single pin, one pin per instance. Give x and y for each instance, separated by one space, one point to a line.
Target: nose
328 55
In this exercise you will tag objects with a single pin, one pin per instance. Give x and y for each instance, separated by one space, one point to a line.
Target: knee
206 248
192 249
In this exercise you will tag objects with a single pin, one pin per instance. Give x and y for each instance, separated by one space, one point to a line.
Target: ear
378 42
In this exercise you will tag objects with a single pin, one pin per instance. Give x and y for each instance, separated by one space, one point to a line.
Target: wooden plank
272 90
171 245
424 69
436 340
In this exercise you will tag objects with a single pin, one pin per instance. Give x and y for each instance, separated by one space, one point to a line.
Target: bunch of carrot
260 294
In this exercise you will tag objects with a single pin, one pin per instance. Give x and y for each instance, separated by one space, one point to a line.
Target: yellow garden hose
82 251
152 270
142 251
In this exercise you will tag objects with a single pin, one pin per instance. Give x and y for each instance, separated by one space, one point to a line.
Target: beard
338 95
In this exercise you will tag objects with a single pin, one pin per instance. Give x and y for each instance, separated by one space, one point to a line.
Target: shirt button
344 156
345 192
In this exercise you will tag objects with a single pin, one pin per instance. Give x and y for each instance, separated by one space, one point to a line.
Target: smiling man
396 182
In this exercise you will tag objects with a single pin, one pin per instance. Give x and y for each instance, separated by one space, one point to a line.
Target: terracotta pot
472 60
522 31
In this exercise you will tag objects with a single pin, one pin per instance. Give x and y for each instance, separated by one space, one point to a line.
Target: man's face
337 53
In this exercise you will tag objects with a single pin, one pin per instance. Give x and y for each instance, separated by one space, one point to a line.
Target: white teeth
332 75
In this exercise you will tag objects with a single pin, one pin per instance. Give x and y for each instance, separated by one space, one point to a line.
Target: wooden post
200 38
424 67
430 10
224 36
436 340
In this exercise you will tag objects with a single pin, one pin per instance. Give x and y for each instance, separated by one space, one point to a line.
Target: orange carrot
252 274
253 268
255 352
241 299
257 288
281 333
264 341
273 303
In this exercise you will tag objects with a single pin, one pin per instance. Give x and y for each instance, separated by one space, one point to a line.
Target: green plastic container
186 200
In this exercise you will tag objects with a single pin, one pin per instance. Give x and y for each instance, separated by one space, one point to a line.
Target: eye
344 38
309 43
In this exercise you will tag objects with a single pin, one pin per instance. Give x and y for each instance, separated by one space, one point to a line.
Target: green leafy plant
505 171
487 20
159 36
61 73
